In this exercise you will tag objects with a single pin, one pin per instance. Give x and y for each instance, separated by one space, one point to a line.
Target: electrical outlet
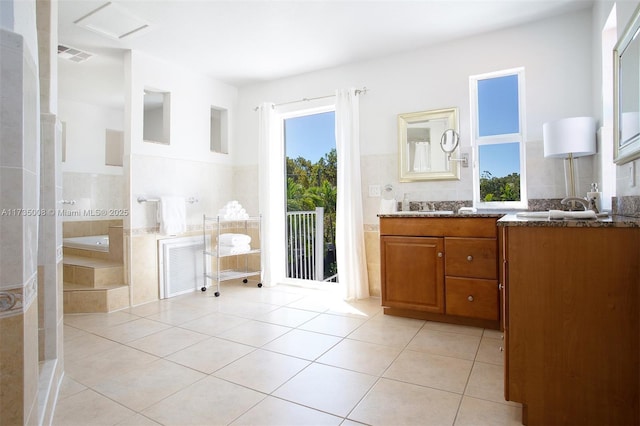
374 190
632 174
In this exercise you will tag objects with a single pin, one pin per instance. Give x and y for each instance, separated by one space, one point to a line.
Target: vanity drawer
439 226
472 298
471 257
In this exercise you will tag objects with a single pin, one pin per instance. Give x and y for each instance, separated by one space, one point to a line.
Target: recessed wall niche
114 147
219 130
156 120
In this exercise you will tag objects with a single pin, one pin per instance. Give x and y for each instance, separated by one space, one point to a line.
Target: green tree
506 188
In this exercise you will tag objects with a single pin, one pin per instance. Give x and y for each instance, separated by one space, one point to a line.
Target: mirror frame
404 120
624 151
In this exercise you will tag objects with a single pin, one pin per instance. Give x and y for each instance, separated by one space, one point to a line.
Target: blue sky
310 136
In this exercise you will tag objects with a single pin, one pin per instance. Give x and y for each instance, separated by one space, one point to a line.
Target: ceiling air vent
72 54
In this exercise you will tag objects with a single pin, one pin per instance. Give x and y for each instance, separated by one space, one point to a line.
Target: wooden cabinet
440 269
571 322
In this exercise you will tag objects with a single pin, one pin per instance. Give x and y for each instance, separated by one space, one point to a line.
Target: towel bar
143 199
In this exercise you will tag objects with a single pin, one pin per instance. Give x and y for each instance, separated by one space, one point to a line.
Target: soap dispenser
594 193
405 203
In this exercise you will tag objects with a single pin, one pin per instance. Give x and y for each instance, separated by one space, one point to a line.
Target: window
497 105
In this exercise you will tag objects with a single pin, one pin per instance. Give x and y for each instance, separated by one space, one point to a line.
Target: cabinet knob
439 254
469 258
500 286
501 349
470 298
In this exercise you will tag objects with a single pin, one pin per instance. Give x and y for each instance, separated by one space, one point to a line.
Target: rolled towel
388 206
561 214
233 250
231 239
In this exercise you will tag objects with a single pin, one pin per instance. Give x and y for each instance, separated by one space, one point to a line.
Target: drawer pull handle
470 298
469 258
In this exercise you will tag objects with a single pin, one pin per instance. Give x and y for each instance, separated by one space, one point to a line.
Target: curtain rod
364 91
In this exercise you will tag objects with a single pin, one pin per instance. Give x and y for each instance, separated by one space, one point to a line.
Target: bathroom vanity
441 267
571 319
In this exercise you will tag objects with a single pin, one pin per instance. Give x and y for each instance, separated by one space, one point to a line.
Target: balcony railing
305 245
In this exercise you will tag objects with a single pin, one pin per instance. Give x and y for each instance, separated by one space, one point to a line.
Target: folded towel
561 214
172 215
231 250
230 239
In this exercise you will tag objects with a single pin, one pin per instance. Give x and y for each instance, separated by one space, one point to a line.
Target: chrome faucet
588 205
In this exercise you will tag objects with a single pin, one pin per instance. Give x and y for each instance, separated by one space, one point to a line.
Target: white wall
556 54
186 167
86 125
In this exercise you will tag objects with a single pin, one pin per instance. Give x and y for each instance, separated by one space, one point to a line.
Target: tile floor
277 356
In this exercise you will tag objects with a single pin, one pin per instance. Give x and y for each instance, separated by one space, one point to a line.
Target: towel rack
143 199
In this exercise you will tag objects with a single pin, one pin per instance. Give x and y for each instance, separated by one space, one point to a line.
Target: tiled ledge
626 206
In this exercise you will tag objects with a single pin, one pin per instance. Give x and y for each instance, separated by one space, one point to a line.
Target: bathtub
92 242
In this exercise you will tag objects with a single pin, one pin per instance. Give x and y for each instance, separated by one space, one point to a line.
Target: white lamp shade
575 135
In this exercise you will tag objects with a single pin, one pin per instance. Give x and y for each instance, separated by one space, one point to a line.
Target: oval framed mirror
419 145
626 93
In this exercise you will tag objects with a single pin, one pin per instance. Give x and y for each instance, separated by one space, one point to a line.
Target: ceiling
247 42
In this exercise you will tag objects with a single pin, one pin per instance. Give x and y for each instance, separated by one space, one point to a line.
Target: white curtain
271 196
350 247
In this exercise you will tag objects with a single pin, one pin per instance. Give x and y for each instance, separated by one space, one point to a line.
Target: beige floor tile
210 355
88 345
210 401
244 308
436 371
168 341
445 343
490 351
69 387
149 308
261 370
95 369
214 324
71 333
131 330
270 296
178 314
454 328
138 420
487 382
277 412
493 334
364 357
254 333
89 406
330 389
363 309
90 322
147 385
288 317
303 344
397 403
310 303
336 325
474 412
385 333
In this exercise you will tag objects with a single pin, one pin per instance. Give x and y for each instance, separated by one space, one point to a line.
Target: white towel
561 214
230 239
173 216
232 250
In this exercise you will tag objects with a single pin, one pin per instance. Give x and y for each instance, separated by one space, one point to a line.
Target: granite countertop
509 218
611 221
437 214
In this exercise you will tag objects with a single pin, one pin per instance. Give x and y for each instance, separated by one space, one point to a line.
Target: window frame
518 138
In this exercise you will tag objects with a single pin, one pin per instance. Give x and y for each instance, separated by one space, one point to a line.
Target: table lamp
569 138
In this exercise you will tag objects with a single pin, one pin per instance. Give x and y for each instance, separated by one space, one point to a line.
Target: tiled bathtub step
92 272
107 298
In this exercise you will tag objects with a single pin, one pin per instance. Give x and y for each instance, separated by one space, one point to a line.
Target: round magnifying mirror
449 141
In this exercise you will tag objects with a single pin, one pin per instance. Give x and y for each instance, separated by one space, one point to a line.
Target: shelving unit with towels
238 256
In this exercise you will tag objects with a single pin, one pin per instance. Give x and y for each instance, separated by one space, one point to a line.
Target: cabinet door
412 273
